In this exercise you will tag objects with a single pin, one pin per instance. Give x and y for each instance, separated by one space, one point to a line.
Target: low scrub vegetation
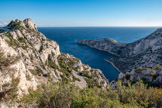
7 60
9 91
15 25
85 74
61 95
51 64
141 69
11 42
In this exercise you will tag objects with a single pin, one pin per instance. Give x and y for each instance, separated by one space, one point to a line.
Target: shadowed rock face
146 52
28 59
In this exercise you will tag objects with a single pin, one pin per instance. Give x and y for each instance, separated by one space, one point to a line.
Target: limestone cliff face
28 58
142 54
105 44
145 52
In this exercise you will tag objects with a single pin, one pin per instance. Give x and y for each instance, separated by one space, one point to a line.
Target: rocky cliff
151 76
144 53
28 59
105 44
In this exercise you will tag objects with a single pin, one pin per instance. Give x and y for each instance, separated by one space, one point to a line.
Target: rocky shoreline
113 65
97 44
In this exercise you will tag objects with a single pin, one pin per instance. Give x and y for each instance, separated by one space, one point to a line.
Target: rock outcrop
27 23
105 44
150 76
28 59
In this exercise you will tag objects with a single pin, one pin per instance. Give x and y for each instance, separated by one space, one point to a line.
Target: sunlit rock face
29 24
28 59
151 76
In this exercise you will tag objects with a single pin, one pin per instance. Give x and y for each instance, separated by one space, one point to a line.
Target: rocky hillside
105 44
138 60
145 52
28 59
151 76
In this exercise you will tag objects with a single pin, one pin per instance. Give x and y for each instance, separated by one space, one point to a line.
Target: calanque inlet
34 71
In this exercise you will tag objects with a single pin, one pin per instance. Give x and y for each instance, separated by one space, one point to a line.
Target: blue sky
68 13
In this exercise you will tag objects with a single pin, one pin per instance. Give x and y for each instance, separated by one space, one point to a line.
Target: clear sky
67 13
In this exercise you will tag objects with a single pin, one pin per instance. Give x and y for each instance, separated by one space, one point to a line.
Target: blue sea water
67 38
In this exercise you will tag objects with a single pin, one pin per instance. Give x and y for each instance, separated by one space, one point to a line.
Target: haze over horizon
84 13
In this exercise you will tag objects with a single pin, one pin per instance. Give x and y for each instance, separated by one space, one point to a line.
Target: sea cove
67 38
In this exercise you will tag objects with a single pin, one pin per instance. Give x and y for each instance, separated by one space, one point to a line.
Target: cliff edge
136 60
28 59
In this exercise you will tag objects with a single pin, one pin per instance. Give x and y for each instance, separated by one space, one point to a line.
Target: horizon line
99 26
94 26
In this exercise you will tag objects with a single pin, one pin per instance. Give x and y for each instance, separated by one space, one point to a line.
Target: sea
67 38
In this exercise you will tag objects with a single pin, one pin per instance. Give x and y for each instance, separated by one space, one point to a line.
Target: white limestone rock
29 24
33 59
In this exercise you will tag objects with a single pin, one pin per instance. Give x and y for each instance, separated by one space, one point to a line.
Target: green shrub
85 74
15 25
141 69
28 77
25 47
11 42
51 96
48 74
53 54
36 71
39 70
2 58
65 67
51 64
62 95
6 85
33 71
21 39
5 61
11 92
15 81
75 78
127 76
64 78
91 83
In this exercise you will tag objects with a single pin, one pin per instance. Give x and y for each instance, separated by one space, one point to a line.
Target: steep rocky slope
138 60
105 44
151 76
28 59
